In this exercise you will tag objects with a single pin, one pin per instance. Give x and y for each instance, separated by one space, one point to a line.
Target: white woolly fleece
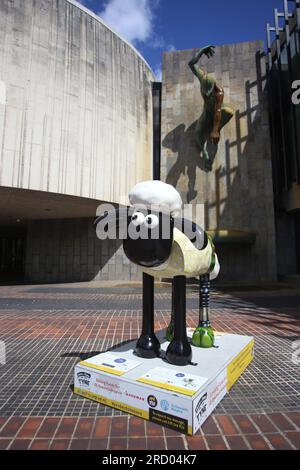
158 196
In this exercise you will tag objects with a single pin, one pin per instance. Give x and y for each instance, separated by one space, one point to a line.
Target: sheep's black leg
204 336
148 345
179 351
170 329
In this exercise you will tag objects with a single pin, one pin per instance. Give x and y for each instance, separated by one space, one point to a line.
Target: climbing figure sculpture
214 116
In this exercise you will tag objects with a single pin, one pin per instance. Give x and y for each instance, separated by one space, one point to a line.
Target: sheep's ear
193 232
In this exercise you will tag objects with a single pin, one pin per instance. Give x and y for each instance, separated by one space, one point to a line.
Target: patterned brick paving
221 432
47 330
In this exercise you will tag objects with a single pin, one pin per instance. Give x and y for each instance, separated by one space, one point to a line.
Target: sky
154 26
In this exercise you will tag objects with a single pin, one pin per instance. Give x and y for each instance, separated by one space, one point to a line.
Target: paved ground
47 330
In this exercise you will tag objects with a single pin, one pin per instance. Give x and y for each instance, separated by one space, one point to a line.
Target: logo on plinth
84 378
152 401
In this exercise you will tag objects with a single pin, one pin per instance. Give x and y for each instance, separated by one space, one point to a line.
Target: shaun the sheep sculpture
157 239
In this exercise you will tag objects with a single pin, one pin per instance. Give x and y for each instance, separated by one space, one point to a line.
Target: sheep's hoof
179 353
148 347
203 337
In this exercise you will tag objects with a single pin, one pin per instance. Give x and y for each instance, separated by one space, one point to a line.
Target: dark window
278 147
297 233
12 259
295 74
288 117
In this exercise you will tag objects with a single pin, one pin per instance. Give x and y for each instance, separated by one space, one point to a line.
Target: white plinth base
180 398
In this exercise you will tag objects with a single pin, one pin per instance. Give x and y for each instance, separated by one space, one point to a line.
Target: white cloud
158 68
158 73
158 42
171 48
132 19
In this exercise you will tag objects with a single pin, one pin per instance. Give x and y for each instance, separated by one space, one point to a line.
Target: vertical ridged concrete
75 103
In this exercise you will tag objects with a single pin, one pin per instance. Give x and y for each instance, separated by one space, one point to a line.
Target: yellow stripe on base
239 364
172 388
112 403
102 368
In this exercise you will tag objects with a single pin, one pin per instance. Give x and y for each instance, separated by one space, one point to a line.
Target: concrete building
283 69
81 122
237 195
75 130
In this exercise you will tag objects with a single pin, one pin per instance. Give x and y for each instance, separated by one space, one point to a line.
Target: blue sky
153 26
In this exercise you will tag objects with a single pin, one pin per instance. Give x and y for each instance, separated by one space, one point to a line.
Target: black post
204 300
148 345
180 307
170 329
156 93
179 351
203 336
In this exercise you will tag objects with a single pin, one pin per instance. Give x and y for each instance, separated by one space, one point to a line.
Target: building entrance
12 256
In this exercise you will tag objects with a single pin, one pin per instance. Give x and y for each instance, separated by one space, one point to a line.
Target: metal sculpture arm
209 51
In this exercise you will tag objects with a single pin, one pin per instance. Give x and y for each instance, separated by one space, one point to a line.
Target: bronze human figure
214 116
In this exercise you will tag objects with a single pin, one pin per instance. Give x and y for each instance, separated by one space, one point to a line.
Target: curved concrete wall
75 103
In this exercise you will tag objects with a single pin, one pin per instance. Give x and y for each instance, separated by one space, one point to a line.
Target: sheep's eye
137 219
152 221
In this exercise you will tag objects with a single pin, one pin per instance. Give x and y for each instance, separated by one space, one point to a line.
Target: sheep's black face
150 239
147 236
